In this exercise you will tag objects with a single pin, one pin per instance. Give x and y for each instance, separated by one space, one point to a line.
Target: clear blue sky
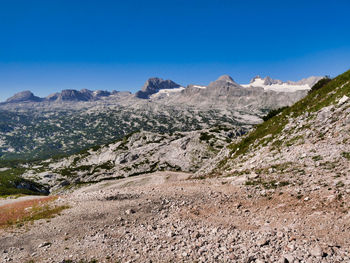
50 45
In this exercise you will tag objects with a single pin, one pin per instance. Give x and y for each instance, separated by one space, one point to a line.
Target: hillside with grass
305 145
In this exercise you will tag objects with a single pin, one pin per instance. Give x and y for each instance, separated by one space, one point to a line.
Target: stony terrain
138 153
164 217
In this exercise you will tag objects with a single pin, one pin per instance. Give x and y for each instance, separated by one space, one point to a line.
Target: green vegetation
28 211
273 113
88 169
206 137
44 212
321 83
295 140
11 181
34 134
346 155
317 158
266 184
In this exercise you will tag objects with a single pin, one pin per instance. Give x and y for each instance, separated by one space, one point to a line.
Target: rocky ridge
138 153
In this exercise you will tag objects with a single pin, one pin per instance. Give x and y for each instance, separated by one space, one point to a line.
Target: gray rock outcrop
153 85
24 96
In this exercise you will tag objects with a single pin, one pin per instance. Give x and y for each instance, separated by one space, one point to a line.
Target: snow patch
167 92
199 87
283 87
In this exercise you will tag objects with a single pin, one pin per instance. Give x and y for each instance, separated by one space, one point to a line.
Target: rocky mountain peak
310 81
153 85
24 96
255 78
226 78
269 81
223 81
74 95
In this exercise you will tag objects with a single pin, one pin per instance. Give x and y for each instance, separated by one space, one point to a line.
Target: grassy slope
314 101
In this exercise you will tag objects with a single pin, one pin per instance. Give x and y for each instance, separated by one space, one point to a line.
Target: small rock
316 251
130 211
45 244
170 234
343 100
289 258
263 242
253 176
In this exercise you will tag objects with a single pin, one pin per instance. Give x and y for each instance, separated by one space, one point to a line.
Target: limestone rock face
153 85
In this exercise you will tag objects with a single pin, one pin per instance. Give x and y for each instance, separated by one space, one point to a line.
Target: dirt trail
19 199
164 217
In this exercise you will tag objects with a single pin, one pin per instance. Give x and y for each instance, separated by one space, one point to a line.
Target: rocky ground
166 217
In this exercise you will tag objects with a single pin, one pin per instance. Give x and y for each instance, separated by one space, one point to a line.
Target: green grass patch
273 184
11 181
346 155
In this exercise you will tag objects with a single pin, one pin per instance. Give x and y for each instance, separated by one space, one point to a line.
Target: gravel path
164 217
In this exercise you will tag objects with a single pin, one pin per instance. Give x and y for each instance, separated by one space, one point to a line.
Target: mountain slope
307 145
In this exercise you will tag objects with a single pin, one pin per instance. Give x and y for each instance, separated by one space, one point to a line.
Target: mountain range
69 121
158 86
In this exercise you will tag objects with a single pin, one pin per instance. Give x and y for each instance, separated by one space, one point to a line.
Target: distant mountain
24 96
154 85
157 88
223 81
279 86
70 95
82 95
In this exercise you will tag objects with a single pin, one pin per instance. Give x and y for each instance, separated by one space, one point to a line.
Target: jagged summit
255 78
24 96
153 85
269 81
264 81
